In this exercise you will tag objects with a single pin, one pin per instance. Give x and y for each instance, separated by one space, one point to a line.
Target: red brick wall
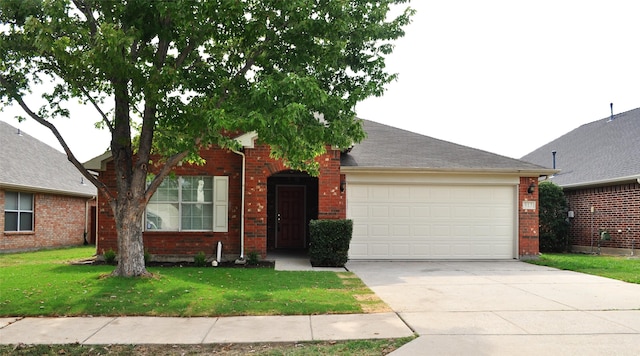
219 163
528 237
616 207
59 221
259 167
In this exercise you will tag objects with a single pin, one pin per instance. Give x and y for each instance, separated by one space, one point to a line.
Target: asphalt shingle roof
390 147
27 163
599 151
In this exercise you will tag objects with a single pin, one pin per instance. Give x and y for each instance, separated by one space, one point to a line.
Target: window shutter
221 204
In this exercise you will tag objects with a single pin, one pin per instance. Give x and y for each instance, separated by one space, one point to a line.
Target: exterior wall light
532 188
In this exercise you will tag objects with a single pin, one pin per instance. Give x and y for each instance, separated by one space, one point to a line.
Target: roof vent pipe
611 118
553 153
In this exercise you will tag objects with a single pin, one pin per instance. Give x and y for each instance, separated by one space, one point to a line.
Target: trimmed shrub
554 224
329 246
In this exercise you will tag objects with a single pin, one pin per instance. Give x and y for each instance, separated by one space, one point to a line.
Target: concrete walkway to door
506 307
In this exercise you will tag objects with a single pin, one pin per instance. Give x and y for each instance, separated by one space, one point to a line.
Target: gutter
595 183
522 172
34 189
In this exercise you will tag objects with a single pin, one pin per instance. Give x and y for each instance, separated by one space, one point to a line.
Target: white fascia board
248 139
99 163
596 183
518 172
32 189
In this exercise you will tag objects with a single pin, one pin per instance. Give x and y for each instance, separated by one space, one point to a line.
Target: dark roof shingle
27 163
600 151
390 147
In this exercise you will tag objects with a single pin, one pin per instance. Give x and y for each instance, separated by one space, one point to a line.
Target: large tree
170 77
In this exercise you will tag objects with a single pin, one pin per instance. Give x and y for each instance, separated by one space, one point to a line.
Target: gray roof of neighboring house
29 164
600 152
388 147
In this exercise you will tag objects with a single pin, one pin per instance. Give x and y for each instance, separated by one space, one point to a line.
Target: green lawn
617 267
45 284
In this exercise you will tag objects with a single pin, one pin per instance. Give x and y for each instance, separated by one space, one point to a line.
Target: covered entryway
292 202
413 217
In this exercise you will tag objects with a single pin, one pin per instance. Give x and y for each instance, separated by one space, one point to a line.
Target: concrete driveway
506 307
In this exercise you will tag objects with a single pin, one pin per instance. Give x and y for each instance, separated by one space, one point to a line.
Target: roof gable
388 147
601 151
27 163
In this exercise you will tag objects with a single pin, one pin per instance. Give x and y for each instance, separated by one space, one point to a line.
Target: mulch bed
228 264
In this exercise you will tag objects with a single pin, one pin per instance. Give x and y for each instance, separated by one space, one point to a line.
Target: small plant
253 258
147 257
200 259
109 256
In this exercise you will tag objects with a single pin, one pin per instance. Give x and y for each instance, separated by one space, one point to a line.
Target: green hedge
330 240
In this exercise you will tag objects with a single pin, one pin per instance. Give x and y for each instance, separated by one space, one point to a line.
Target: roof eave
99 163
520 172
598 183
45 190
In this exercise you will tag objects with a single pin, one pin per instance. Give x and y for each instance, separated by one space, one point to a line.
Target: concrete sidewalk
244 329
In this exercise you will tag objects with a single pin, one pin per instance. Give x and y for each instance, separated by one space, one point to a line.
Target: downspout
86 219
241 259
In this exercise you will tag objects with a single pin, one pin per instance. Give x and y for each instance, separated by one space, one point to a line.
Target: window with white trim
189 203
18 211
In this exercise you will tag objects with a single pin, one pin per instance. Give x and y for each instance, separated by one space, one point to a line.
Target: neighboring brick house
44 202
599 165
410 196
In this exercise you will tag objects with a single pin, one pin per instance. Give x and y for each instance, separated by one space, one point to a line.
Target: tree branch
105 119
88 13
70 156
184 54
247 65
166 169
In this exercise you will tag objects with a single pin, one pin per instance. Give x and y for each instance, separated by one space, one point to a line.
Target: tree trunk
130 244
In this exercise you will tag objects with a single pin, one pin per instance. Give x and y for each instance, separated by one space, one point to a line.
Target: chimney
553 153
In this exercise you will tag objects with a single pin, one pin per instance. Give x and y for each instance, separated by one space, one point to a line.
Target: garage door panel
379 230
379 211
401 249
403 230
431 222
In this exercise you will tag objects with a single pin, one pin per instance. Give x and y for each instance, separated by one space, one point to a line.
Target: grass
44 283
357 347
617 267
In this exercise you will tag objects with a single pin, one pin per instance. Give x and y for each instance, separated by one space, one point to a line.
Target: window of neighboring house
189 203
18 211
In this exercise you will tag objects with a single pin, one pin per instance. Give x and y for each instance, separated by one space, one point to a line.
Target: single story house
599 172
44 200
411 197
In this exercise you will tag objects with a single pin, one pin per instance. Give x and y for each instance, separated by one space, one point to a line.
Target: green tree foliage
180 74
554 227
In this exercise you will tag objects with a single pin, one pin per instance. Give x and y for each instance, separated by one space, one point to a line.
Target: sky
501 76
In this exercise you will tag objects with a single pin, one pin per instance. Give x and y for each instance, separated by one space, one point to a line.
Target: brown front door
290 217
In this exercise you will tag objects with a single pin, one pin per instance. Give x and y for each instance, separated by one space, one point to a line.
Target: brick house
599 172
410 196
44 201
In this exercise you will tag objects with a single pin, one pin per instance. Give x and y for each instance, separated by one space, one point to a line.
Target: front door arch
292 201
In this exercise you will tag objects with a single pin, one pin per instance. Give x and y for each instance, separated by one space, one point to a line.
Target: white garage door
422 221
